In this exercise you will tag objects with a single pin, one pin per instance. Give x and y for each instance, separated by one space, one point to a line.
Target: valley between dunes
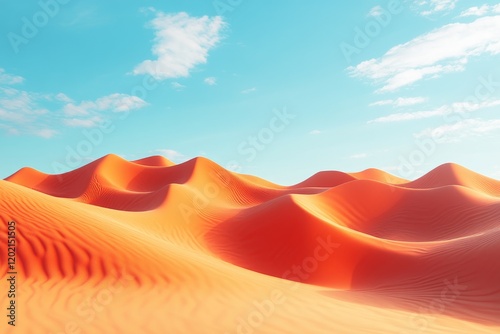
149 246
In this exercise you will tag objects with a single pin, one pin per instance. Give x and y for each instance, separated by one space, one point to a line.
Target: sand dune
150 246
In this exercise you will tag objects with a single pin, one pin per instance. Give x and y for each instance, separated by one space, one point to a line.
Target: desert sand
150 246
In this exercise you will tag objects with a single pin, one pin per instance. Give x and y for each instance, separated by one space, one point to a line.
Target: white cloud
315 132
77 110
429 7
45 133
20 101
444 50
177 86
33 113
409 116
87 114
63 98
211 81
11 116
172 155
359 156
23 112
376 11
181 42
84 123
481 11
461 107
114 102
455 132
458 107
147 10
120 103
249 90
8 79
400 102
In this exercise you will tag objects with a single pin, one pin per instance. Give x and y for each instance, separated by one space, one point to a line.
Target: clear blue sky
280 90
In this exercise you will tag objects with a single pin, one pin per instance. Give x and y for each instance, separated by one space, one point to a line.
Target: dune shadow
424 307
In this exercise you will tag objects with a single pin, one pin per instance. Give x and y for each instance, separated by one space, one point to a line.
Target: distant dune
150 246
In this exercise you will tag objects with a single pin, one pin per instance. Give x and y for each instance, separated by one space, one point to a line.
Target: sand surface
153 247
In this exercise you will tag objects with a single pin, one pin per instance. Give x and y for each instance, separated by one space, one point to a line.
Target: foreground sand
153 247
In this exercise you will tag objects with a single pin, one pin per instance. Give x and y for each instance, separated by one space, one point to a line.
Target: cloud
249 90
447 49
481 11
21 111
177 86
21 114
8 79
114 103
33 113
88 114
461 107
22 102
376 11
410 116
429 7
45 133
315 132
400 102
452 133
458 107
211 81
11 116
181 43
172 155
120 103
147 10
359 156
63 98
84 123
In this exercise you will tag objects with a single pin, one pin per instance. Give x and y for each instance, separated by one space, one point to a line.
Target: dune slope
149 246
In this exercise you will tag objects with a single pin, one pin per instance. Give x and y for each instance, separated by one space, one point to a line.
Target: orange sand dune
149 246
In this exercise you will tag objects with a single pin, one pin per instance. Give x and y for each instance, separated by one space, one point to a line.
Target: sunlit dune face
151 246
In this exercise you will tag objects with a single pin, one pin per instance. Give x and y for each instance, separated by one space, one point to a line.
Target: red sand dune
153 247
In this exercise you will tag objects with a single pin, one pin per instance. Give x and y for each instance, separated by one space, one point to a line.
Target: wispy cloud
177 86
181 43
459 107
63 98
481 10
452 133
376 11
359 156
83 123
23 112
114 103
91 113
429 7
249 90
9 79
315 132
410 116
39 114
45 133
400 102
452 46
211 81
172 155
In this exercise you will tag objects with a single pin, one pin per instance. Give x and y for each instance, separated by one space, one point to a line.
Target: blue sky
278 91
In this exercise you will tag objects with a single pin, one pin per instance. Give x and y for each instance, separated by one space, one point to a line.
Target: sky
276 90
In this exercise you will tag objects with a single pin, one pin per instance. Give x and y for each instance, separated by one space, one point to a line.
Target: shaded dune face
368 232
